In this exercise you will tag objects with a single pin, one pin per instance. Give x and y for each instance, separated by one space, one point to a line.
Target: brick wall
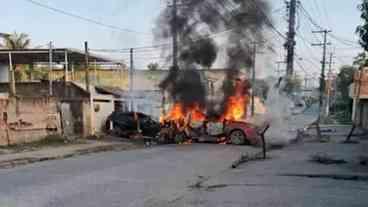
364 81
28 119
3 118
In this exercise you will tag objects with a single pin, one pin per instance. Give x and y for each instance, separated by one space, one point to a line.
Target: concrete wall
113 78
102 109
28 119
143 79
3 118
354 88
363 114
4 73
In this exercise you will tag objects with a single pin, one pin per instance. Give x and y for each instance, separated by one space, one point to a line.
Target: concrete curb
29 160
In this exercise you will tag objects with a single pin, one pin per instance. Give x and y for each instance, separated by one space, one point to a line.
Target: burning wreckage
197 123
185 124
193 116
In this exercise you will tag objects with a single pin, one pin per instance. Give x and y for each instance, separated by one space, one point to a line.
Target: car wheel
238 137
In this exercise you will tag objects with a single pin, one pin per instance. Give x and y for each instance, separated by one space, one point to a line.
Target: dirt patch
48 141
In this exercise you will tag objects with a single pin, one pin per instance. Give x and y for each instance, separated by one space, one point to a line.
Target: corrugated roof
29 56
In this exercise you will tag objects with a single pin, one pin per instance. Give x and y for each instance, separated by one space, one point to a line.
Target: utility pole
290 43
131 74
279 71
50 69
175 33
11 76
86 50
323 67
329 85
88 87
254 75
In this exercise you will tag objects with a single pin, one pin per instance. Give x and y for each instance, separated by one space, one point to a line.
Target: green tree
344 102
360 60
16 41
153 66
344 80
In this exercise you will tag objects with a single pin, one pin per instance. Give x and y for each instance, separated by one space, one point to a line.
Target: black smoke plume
241 22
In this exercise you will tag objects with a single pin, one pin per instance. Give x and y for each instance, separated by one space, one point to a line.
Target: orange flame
178 112
235 108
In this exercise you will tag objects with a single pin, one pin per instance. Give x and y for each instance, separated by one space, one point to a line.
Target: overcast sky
341 16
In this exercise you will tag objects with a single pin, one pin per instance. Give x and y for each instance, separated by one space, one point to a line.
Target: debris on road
326 159
246 158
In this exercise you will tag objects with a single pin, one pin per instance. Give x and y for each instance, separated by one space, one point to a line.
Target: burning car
239 133
128 124
192 123
227 132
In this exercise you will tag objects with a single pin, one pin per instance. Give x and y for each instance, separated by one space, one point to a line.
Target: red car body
249 131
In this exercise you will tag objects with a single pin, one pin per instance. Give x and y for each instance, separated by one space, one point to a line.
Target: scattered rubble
330 176
246 158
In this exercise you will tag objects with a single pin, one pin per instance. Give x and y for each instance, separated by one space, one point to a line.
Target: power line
337 38
318 10
86 19
269 22
344 41
302 67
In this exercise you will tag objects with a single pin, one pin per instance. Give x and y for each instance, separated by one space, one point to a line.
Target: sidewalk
290 178
61 152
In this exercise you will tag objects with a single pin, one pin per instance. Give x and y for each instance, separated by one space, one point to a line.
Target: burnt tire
179 138
238 137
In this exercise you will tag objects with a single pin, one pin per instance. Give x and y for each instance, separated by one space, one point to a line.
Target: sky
42 25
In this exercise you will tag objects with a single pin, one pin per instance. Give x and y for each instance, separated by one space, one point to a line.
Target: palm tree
15 41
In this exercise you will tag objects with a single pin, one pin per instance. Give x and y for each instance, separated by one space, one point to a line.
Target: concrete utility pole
322 78
290 43
175 33
50 68
88 87
131 79
329 78
66 66
86 50
11 76
254 75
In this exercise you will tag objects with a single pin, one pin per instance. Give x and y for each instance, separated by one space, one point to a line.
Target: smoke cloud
197 23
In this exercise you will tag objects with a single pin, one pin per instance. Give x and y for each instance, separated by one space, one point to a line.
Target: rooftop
30 56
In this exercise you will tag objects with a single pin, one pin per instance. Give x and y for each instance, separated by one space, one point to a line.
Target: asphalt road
166 177
150 177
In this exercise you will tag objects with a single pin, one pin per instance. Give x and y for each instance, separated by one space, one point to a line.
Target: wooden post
50 69
87 66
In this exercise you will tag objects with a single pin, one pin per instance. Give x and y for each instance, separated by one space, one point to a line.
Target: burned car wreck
129 124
